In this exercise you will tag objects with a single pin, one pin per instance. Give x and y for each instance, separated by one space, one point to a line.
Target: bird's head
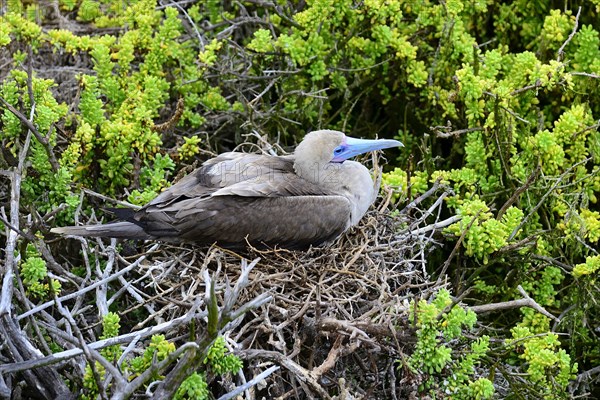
327 146
321 148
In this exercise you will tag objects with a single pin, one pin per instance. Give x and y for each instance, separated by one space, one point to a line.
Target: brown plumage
307 198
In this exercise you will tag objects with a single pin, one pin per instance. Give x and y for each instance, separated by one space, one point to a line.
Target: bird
236 200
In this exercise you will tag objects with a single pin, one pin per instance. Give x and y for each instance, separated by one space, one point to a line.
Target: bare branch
100 344
526 301
586 74
90 287
543 199
255 381
573 32
532 177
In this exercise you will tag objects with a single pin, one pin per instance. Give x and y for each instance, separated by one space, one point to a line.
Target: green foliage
89 10
135 74
43 186
110 328
209 55
548 366
189 148
439 337
591 265
20 26
484 234
556 29
587 55
219 361
336 43
528 117
90 385
194 388
584 224
152 179
397 180
35 275
158 349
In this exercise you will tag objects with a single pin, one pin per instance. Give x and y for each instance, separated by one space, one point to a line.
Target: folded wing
237 198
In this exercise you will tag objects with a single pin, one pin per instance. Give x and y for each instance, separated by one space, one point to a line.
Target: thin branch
298 371
187 348
444 131
413 204
532 177
514 114
573 32
31 127
437 226
536 85
543 199
587 74
526 301
86 289
255 381
91 356
585 375
110 199
455 249
553 261
201 40
11 242
425 214
171 325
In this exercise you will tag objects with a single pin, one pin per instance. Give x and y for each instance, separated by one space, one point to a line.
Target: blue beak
354 147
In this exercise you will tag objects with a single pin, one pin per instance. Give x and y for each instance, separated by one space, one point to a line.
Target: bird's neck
358 187
310 169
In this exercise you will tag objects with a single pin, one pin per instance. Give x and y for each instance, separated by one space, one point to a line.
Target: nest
328 322
338 316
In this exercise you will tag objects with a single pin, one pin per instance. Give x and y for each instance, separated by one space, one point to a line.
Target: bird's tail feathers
119 230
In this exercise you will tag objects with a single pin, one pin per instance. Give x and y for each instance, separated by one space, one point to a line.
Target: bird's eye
338 150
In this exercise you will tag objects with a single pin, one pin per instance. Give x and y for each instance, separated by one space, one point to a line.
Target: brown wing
232 221
223 171
237 197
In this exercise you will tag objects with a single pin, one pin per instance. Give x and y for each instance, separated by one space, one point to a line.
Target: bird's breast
353 181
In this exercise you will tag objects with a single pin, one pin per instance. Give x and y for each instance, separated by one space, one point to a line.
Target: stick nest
338 317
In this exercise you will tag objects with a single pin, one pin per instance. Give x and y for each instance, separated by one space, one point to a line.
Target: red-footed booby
236 199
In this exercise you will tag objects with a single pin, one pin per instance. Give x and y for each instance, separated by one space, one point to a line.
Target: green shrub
34 274
443 356
548 367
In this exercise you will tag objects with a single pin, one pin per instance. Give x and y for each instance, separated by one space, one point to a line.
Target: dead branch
255 381
86 289
526 301
445 132
131 337
298 371
586 74
536 85
46 380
